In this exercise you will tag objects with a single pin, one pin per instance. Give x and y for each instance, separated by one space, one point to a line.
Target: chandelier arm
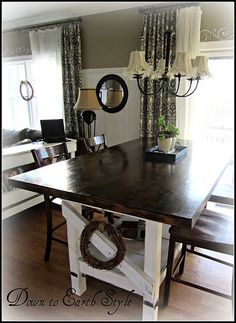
178 85
145 93
175 93
190 86
186 94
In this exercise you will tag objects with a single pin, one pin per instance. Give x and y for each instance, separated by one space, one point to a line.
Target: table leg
78 280
152 267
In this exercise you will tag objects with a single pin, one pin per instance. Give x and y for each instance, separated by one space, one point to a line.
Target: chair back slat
213 231
48 155
95 143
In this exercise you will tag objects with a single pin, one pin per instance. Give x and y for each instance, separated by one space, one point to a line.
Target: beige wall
15 42
218 15
107 39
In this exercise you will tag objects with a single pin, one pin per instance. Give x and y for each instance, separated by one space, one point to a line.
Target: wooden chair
224 192
92 145
44 156
219 199
212 231
95 143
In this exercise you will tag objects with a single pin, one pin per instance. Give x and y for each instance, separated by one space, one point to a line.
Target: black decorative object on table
154 154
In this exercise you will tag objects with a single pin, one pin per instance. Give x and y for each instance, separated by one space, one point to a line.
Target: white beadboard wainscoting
121 126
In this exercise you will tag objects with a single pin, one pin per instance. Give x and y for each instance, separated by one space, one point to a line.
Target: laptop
53 130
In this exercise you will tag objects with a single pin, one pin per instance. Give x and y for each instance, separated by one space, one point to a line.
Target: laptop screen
53 130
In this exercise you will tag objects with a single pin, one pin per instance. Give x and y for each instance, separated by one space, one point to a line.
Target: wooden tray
153 154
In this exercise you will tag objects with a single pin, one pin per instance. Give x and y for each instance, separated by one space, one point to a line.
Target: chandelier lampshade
183 67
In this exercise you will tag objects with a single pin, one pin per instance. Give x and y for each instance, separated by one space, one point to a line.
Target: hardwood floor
39 288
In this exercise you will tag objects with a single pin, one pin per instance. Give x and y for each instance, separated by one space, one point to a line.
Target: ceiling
20 14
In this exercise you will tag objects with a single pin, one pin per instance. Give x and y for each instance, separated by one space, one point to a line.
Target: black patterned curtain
155 23
72 77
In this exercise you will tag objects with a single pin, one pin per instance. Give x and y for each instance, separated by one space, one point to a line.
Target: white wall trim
217 48
16 59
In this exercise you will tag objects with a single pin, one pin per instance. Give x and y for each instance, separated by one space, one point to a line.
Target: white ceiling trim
23 14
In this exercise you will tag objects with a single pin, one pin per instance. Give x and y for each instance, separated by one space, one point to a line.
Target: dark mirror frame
124 88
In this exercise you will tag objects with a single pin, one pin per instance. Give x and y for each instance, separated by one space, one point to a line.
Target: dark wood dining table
122 179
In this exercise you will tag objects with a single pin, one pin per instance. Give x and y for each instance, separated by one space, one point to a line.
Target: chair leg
183 254
169 271
87 213
49 228
110 217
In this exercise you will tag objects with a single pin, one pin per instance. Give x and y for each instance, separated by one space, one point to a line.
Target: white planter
173 143
165 144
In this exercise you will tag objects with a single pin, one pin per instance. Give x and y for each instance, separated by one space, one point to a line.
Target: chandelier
192 70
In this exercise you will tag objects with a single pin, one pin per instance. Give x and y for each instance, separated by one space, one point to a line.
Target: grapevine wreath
114 237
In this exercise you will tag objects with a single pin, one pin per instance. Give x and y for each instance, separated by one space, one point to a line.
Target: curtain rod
57 22
167 6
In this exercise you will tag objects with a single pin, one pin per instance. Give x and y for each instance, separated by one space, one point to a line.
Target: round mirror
112 93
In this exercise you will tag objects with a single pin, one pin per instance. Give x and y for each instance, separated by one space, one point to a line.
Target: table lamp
86 103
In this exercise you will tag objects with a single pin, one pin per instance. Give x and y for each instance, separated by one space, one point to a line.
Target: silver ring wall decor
112 93
29 88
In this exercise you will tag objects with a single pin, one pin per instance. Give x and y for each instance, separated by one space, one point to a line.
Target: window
16 112
214 113
212 104
47 102
208 114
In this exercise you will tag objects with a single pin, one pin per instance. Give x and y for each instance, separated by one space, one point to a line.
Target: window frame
211 49
23 60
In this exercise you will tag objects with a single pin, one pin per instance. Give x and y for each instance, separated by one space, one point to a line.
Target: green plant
166 130
161 123
170 127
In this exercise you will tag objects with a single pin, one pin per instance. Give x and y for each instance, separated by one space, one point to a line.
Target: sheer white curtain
209 112
188 22
46 52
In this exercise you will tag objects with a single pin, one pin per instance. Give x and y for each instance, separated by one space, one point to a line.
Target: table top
121 179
